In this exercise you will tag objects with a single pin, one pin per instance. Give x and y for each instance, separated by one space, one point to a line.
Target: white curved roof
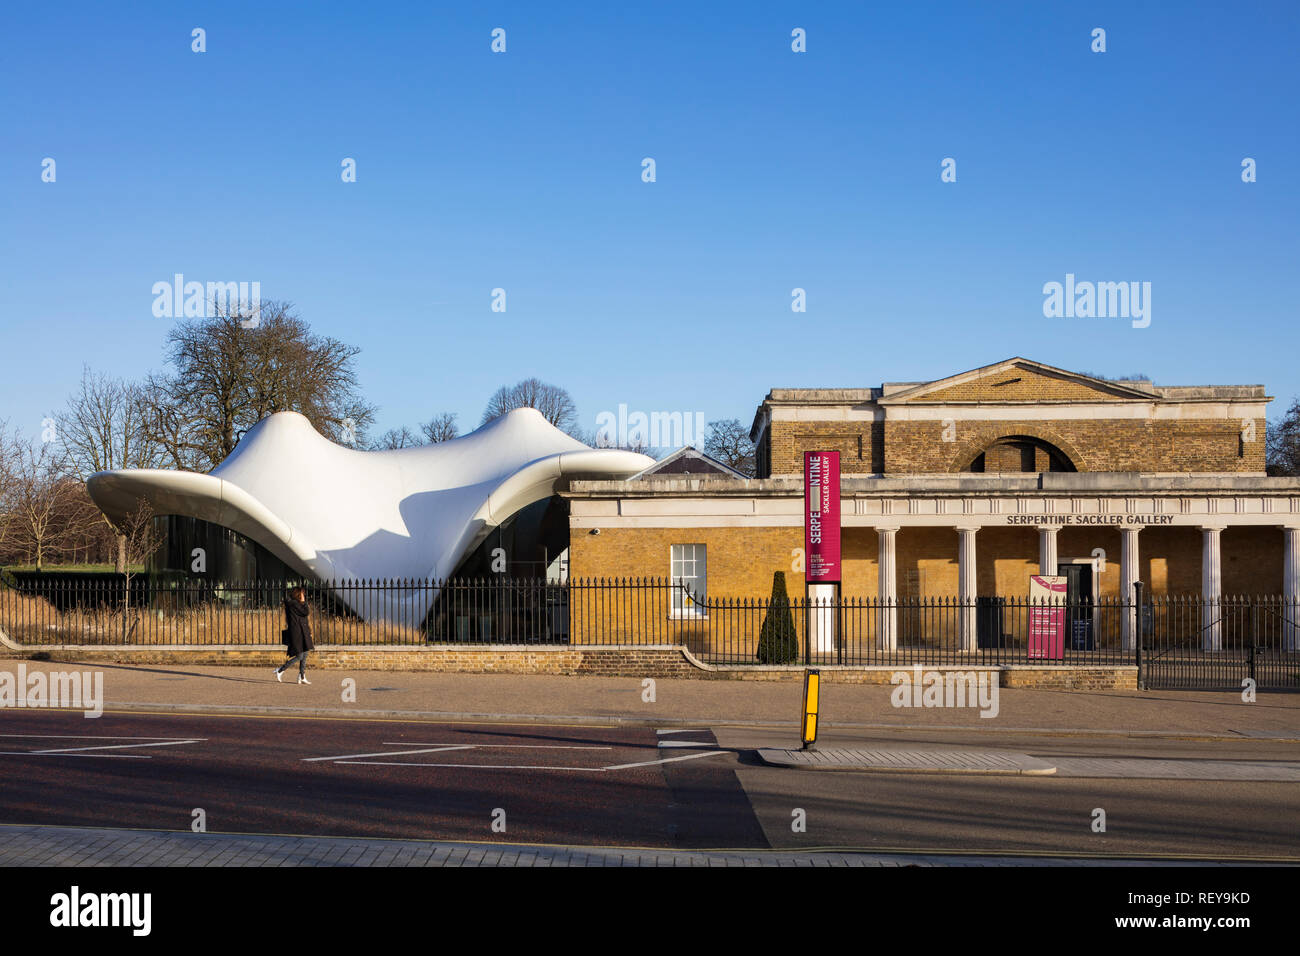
339 513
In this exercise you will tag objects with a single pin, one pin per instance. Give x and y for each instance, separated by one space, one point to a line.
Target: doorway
1080 604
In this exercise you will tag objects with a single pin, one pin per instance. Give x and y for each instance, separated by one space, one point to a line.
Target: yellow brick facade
943 427
741 561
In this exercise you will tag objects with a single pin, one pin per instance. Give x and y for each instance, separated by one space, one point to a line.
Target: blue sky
775 170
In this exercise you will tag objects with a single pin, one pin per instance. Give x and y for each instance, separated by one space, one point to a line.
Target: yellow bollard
811 693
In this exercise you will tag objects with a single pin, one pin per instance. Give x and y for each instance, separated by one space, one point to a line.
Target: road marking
391 753
37 753
84 751
502 746
91 737
684 730
687 744
166 743
651 763
470 766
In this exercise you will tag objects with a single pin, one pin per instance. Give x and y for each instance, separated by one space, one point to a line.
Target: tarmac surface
588 771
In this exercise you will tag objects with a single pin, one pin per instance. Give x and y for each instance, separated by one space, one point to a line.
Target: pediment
1020 380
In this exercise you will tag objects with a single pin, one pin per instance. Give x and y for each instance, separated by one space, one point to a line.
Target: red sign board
821 516
1047 616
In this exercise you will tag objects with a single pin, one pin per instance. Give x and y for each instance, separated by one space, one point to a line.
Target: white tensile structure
336 513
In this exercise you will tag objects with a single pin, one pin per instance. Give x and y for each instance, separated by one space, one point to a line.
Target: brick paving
76 846
614 701
902 761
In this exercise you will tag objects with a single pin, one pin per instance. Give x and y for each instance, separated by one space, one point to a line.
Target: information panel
821 497
1047 616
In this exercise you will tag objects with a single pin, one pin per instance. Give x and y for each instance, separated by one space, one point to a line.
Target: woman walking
297 634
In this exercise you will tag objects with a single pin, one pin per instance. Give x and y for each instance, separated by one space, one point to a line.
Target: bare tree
555 404
143 537
43 506
1282 444
230 371
102 428
9 458
600 438
729 443
396 438
442 427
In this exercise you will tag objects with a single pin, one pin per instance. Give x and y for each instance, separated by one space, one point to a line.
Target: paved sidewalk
889 760
1009 763
613 700
75 846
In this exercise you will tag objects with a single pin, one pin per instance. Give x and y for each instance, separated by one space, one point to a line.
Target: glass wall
201 549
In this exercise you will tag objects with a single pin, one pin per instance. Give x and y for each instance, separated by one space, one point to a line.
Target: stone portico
958 537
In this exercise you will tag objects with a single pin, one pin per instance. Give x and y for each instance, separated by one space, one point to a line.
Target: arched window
1021 453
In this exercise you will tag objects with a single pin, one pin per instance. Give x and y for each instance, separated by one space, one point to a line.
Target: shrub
777 642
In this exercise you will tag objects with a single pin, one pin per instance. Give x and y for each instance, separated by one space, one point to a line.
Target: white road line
666 744
469 766
502 746
56 753
391 753
91 737
651 763
64 750
684 730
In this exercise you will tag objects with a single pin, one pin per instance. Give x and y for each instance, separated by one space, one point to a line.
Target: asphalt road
616 787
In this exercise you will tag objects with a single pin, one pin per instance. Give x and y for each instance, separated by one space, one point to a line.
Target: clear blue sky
775 170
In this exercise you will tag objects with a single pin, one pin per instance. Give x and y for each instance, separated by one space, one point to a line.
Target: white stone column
1211 589
1047 562
1128 573
1291 589
888 590
821 617
966 636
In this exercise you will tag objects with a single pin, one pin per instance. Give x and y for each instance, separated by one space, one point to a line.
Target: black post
839 622
807 624
1137 638
1254 633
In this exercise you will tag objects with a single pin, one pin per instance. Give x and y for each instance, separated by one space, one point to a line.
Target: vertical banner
1047 616
821 516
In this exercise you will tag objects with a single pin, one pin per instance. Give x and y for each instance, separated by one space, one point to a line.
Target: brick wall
635 662
741 560
1205 445
860 444
1020 384
664 661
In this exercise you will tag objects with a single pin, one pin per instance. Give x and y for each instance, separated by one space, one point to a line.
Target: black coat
299 627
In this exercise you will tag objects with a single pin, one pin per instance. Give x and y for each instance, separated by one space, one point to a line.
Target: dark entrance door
1078 605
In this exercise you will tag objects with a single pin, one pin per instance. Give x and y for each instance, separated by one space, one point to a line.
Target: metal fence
1192 644
1177 641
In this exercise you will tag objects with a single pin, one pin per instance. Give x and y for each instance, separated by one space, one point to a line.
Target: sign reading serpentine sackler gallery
821 516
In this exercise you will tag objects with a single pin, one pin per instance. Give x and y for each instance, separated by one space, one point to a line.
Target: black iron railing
1186 640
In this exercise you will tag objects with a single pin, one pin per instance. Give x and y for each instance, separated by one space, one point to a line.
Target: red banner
821 516
1047 616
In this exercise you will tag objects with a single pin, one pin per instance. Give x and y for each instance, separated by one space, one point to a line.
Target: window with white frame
690 578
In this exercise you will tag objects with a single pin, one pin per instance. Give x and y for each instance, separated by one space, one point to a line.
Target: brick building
967 485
